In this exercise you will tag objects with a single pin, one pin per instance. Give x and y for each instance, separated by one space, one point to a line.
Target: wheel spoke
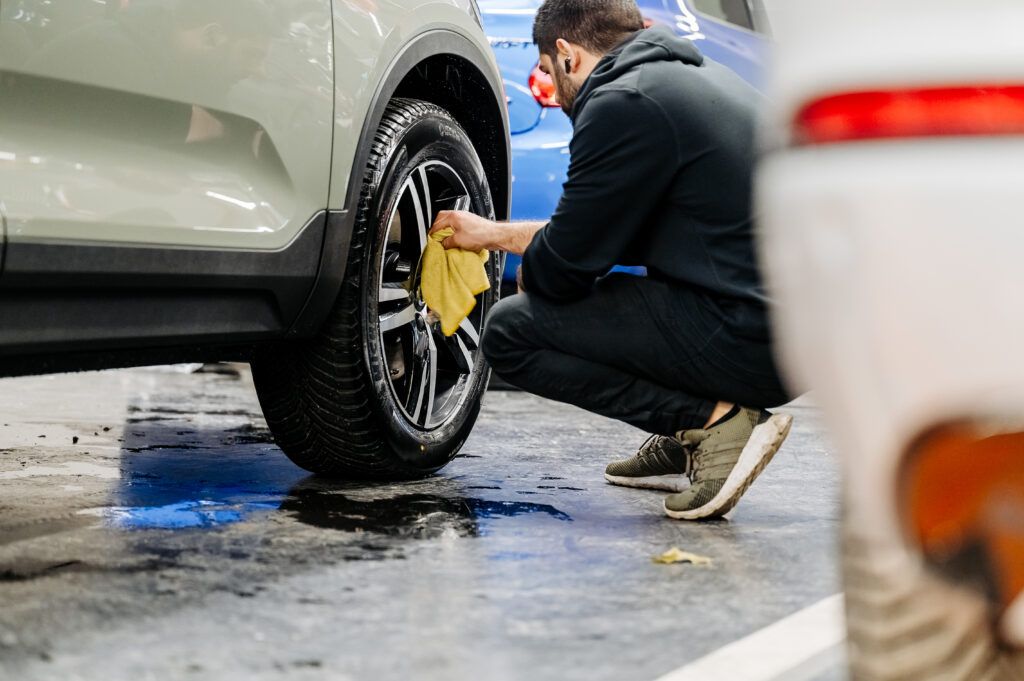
423 361
392 292
431 379
419 193
466 327
415 413
462 203
390 321
466 354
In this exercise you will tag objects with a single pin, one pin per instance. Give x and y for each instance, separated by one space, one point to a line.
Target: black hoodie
662 156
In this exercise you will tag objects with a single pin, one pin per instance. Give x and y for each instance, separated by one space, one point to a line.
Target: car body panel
743 51
540 163
228 135
509 27
375 34
3 235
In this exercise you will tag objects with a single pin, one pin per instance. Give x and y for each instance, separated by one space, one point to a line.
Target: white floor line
792 648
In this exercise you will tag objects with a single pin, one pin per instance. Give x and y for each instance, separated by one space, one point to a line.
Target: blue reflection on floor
194 513
175 476
485 508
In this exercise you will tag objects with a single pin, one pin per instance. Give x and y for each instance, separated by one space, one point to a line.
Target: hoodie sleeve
624 156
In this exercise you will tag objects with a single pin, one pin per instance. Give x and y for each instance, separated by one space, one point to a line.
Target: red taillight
997 110
542 87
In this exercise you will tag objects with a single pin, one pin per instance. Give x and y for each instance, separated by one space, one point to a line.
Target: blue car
732 32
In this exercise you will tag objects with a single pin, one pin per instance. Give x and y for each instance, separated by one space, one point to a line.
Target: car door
164 123
734 34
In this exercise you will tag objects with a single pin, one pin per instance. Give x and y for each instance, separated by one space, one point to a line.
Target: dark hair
595 25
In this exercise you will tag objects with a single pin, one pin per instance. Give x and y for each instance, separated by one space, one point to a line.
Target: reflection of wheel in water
409 516
380 391
436 508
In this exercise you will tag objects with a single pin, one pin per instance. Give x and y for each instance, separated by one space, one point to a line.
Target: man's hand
472 232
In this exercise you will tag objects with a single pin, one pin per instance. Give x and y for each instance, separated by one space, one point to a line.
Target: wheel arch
438 66
467 95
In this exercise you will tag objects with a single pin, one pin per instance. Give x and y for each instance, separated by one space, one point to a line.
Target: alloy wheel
428 373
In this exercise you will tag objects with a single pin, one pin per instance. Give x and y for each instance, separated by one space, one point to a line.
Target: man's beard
566 91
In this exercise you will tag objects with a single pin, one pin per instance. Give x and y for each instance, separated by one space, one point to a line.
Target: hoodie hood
658 43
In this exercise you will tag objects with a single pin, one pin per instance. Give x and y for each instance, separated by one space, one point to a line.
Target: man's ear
568 56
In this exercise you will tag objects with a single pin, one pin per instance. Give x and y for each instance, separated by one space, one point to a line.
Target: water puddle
182 514
418 516
178 476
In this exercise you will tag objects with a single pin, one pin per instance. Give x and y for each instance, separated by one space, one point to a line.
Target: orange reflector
995 110
963 495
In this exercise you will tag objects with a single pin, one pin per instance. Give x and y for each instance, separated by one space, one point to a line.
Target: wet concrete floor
150 529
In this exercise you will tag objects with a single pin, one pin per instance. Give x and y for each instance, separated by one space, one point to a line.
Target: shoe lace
688 467
646 450
657 444
691 440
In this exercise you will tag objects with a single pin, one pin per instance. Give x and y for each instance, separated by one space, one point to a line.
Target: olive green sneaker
662 463
727 457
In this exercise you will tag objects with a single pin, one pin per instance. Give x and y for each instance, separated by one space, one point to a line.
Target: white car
891 203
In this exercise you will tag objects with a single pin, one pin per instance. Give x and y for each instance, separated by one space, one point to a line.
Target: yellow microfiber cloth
450 279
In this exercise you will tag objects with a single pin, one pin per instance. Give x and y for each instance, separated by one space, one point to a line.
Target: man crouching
662 156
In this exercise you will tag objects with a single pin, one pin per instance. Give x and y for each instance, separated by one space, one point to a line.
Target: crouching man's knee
503 341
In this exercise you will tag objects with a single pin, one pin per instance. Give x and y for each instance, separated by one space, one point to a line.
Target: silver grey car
205 180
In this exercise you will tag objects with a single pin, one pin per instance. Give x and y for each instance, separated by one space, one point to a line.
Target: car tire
379 392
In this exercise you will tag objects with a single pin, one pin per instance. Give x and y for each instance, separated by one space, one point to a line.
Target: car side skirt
77 298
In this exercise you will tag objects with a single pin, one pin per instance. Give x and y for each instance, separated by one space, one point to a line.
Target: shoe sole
764 441
672 482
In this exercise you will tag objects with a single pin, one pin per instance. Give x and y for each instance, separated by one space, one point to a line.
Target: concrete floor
149 528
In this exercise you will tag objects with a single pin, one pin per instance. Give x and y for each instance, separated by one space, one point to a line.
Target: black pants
652 353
